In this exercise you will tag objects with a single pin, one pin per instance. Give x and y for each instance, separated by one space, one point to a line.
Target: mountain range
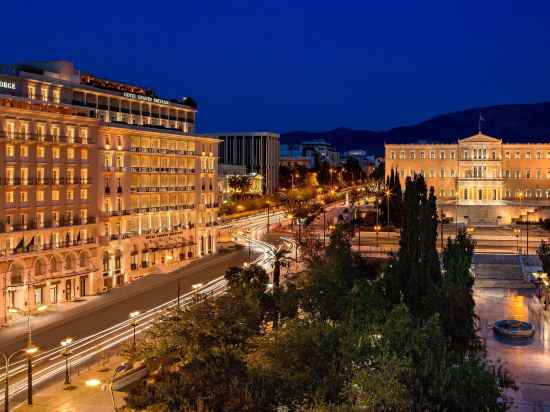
517 123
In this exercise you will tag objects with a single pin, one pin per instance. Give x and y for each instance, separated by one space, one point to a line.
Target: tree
240 184
458 317
414 275
379 172
543 252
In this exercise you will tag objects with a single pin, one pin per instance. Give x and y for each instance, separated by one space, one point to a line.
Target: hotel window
41 131
507 155
528 193
442 173
70 194
421 155
516 155
10 175
442 193
432 155
10 152
539 174
31 91
539 155
24 175
528 173
84 154
39 195
24 197
517 173
392 155
10 130
402 155
452 155
84 136
83 194
40 151
494 155
70 153
55 195
119 141
465 154
465 194
56 153
548 173
432 173
40 219
528 155
44 93
107 140
84 176
508 193
538 194
10 198
70 176
442 155
70 134
56 94
24 151
412 155
507 173
452 173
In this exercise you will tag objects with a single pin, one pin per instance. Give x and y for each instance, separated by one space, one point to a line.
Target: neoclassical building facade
101 182
480 178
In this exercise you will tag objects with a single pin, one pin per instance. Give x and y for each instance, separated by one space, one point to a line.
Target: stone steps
502 272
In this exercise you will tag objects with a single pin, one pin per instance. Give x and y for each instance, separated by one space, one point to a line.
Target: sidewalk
62 313
78 397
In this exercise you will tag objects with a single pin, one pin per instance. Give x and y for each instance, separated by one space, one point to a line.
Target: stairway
499 271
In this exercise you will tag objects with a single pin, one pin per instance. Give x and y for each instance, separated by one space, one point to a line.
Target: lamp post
196 287
267 205
29 350
516 234
388 194
66 352
134 322
456 214
377 230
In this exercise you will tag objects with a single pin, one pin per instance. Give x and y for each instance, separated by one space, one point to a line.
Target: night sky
287 65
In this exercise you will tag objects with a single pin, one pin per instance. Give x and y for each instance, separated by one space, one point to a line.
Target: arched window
55 264
70 262
40 268
84 260
16 276
106 262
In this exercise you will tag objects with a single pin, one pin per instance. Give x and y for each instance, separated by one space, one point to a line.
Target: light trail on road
50 364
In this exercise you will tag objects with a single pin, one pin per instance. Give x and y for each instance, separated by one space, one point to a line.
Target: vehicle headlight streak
50 364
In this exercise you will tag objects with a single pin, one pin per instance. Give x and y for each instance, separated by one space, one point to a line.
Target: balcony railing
161 170
46 138
18 181
47 246
46 224
162 208
147 189
152 150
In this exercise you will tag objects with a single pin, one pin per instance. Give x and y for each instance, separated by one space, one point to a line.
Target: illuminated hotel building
480 179
101 183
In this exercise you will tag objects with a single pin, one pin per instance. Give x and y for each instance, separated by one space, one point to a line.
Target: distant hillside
511 122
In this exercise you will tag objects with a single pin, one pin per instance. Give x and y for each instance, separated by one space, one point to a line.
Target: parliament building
480 179
101 182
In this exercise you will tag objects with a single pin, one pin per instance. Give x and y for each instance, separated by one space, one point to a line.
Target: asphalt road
141 295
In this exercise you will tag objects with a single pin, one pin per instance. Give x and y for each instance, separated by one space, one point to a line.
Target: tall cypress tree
414 275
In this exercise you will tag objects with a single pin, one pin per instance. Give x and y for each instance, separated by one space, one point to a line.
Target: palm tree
278 257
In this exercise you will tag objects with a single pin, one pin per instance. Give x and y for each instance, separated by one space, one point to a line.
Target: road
106 326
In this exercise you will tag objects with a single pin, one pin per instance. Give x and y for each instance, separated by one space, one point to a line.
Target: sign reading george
145 98
7 85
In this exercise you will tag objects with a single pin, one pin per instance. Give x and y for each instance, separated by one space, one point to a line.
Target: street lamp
456 213
29 350
134 322
388 194
66 352
470 230
377 230
196 287
517 232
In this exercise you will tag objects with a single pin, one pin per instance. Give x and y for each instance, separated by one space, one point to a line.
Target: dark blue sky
288 64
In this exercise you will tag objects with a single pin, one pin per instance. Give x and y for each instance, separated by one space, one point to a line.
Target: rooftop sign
145 98
7 85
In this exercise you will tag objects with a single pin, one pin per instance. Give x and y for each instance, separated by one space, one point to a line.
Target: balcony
47 246
46 138
47 224
172 170
154 189
18 181
113 213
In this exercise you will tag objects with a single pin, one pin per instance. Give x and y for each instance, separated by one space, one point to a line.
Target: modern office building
101 182
307 153
480 178
258 151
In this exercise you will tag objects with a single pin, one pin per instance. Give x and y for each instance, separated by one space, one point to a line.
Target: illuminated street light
66 352
134 322
92 383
